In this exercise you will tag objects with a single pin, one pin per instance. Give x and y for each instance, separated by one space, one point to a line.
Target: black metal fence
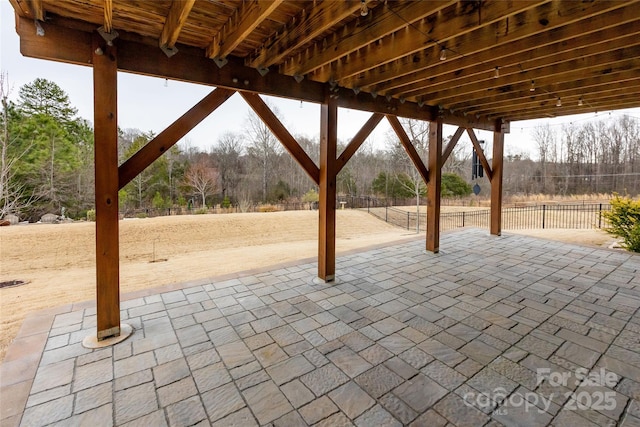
515 218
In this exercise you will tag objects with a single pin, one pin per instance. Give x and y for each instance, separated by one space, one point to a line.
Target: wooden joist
240 26
108 16
304 28
177 17
393 17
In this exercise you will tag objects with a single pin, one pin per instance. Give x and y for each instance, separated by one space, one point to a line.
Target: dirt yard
58 261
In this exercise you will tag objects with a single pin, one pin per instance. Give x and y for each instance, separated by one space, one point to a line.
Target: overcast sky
151 104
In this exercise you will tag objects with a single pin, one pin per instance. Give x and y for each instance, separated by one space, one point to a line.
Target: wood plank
303 29
480 152
496 183
280 131
108 15
327 185
21 8
171 135
391 17
452 144
358 140
434 186
240 26
105 88
189 64
433 32
177 17
409 148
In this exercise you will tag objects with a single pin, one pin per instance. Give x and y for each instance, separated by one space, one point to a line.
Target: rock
49 218
13 219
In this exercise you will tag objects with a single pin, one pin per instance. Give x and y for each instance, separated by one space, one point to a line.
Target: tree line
47 163
579 158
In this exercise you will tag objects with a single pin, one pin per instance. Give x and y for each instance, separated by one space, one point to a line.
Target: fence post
544 209
600 216
462 219
407 220
386 213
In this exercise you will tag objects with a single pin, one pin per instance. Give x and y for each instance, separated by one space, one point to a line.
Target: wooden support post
105 90
433 186
327 205
496 183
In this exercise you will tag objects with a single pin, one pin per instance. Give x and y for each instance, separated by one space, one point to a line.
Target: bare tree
13 195
228 153
418 133
202 178
263 146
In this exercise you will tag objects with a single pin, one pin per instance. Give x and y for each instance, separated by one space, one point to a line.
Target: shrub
226 203
310 196
267 208
91 215
454 185
624 220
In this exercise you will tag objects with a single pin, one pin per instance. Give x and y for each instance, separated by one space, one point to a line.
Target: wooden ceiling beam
408 147
21 8
108 15
535 59
435 31
391 17
177 17
604 63
36 9
466 52
240 25
65 44
304 28
280 131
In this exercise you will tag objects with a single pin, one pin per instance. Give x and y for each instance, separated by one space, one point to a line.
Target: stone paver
406 338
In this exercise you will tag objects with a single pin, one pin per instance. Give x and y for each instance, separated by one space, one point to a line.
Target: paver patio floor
492 330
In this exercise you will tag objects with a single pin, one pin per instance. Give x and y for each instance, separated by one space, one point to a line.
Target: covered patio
479 334
388 336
